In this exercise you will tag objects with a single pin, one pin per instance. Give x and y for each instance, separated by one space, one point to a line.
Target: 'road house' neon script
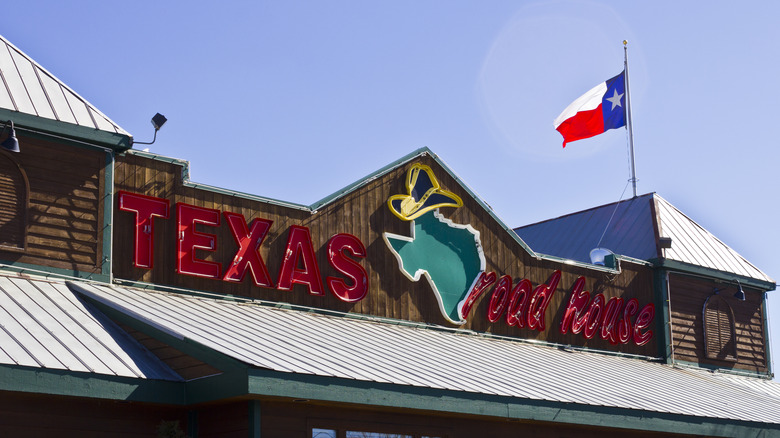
524 305
299 264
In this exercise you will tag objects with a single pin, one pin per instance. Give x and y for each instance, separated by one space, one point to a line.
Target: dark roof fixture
157 121
10 143
665 242
740 295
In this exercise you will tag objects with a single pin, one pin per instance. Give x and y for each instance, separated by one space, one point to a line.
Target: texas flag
600 109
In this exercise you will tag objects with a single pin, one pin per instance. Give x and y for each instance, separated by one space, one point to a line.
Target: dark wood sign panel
363 213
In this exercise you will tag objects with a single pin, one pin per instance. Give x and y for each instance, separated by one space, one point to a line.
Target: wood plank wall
688 295
362 213
64 218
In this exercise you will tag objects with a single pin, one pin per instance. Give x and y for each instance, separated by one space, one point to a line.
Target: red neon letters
595 316
247 257
300 252
146 208
190 240
522 306
299 263
338 246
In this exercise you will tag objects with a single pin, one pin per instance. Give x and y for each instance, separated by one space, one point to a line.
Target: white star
615 99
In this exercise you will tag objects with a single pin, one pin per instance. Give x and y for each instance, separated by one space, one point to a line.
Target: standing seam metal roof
628 229
44 325
27 87
325 345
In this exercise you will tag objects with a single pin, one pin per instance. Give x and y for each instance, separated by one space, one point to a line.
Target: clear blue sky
295 99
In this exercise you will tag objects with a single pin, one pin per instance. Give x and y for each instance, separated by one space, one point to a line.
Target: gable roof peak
26 87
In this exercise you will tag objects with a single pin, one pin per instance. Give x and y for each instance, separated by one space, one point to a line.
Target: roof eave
674 265
68 131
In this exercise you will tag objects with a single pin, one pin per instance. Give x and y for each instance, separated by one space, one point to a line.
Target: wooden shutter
719 333
14 198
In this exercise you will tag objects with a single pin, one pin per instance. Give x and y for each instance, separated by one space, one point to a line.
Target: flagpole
628 116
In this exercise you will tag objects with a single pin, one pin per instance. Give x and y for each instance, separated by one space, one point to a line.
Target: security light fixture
740 295
10 143
157 121
665 242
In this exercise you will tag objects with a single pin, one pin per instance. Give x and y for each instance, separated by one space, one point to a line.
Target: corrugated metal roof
628 229
28 88
691 243
44 325
324 345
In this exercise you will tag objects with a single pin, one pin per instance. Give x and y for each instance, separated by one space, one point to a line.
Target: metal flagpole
628 116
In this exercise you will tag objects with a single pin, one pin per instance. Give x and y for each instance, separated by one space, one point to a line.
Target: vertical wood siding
364 214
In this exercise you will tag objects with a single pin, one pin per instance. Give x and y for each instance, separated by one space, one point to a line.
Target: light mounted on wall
10 143
740 294
157 121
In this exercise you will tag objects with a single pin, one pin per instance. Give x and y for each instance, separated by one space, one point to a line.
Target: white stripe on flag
588 101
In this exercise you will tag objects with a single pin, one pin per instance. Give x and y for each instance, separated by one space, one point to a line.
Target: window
719 333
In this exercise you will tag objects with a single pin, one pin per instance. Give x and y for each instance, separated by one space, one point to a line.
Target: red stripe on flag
584 124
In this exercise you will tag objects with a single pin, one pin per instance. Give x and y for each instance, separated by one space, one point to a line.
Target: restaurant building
136 302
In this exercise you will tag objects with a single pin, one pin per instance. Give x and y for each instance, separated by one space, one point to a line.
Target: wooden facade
364 214
52 204
688 297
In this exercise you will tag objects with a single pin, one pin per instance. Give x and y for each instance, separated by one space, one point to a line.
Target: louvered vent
719 334
13 204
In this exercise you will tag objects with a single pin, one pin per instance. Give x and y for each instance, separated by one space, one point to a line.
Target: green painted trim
663 323
254 419
71 383
767 342
720 369
673 265
335 390
46 271
229 384
108 216
25 122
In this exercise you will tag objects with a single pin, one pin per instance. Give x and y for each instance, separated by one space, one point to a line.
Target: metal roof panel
628 229
30 89
44 325
402 354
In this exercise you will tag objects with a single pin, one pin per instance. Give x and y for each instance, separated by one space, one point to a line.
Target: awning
343 358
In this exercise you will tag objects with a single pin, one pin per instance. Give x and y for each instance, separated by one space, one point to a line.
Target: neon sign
299 263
